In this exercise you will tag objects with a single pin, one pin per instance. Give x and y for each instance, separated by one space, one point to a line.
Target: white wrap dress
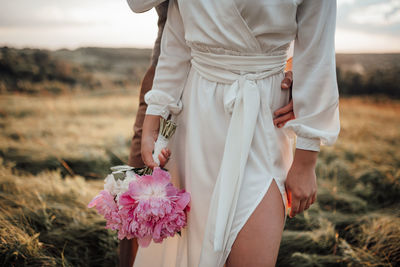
219 75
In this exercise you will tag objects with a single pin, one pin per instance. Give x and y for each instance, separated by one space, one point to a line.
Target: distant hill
369 74
93 68
33 71
119 63
363 63
36 71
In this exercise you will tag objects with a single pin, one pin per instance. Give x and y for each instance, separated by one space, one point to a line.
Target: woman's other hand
151 125
301 181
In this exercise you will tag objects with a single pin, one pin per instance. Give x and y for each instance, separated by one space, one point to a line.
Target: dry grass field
79 133
54 152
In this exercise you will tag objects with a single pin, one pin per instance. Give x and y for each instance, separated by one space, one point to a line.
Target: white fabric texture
219 74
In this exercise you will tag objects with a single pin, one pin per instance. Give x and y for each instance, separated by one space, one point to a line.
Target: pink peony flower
152 208
106 206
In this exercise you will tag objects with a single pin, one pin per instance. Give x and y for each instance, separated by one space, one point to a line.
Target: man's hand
301 181
285 113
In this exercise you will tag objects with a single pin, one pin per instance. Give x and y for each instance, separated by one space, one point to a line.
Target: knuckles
301 195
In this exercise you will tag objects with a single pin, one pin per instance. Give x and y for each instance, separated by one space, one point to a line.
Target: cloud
46 13
349 41
370 16
73 23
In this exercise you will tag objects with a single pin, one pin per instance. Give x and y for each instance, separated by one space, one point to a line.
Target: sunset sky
362 25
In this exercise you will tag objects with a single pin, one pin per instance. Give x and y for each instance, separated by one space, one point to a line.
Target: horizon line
150 48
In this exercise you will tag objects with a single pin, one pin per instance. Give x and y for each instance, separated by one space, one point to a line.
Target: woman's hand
151 125
301 181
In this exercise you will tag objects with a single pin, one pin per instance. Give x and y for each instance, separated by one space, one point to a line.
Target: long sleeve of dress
315 91
172 69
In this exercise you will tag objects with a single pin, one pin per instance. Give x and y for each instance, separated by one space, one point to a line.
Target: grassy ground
49 146
82 134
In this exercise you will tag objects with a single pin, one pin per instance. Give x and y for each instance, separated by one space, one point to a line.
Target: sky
363 26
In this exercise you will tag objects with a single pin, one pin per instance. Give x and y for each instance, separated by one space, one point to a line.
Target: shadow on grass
88 167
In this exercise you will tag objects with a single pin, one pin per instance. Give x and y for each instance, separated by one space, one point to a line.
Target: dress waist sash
242 101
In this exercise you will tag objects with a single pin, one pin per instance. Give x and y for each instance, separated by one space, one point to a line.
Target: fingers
287 81
313 198
164 156
299 205
283 110
147 152
166 152
308 203
299 202
284 115
147 148
294 207
151 125
280 121
302 205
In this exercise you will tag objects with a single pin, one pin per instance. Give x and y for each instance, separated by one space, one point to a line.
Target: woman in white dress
219 75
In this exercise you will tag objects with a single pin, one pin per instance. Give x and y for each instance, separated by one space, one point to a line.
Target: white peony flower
111 185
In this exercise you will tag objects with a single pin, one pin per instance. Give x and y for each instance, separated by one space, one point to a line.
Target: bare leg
128 248
257 244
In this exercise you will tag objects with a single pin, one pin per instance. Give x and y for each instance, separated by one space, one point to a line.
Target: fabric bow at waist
236 70
242 100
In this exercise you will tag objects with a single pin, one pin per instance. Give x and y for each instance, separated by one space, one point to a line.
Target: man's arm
135 158
128 247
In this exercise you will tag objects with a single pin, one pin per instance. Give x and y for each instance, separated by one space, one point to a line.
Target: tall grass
44 221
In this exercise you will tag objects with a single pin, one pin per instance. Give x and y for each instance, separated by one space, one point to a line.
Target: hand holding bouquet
143 203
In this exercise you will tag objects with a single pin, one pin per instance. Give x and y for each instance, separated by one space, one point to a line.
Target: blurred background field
66 116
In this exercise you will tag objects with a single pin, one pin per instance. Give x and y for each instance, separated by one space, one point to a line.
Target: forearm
135 158
306 158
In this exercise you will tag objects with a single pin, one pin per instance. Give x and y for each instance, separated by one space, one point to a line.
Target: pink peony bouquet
142 203
150 208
